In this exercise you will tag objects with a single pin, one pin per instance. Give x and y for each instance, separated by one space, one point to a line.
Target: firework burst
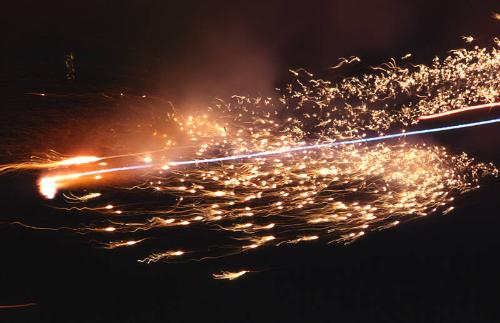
273 171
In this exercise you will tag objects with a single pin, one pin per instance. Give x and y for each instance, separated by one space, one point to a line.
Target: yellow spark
468 39
229 275
162 256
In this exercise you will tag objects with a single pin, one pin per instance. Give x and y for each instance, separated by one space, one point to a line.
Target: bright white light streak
48 185
335 144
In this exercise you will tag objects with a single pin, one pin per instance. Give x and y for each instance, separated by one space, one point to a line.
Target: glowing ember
48 187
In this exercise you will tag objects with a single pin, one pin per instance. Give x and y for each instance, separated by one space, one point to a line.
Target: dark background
437 269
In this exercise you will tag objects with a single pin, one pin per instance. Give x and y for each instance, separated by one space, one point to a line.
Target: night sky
441 268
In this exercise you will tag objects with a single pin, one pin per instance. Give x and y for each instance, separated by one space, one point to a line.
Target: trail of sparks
265 174
48 185
335 144
54 160
80 160
230 275
461 110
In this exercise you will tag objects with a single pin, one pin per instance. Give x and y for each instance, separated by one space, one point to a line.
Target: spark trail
48 185
461 110
291 169
334 144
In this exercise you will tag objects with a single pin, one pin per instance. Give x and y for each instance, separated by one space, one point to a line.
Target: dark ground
435 269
